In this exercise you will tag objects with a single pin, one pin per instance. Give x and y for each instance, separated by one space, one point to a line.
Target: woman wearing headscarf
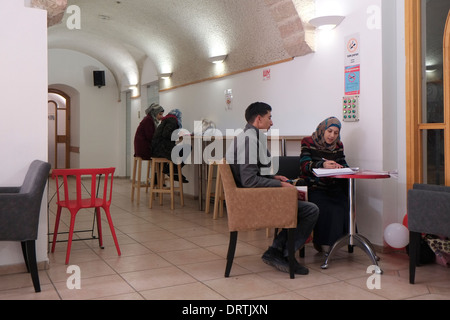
324 149
162 143
145 131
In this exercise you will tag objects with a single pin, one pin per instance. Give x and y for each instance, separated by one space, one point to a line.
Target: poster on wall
352 65
352 45
352 80
266 74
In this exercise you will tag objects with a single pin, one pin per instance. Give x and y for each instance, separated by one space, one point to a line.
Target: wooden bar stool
136 182
218 195
157 172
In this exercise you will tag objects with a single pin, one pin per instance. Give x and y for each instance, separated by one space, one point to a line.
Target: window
427 92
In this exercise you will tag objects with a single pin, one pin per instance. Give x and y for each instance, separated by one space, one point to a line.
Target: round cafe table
353 238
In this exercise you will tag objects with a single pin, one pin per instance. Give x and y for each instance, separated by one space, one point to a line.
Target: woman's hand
330 164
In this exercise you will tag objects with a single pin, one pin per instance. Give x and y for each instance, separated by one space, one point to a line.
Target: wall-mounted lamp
430 69
326 22
165 75
218 59
134 91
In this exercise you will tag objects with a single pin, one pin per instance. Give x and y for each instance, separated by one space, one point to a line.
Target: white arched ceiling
179 36
103 49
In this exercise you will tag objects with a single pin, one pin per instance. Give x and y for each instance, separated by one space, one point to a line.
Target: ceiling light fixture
218 59
165 75
135 92
326 22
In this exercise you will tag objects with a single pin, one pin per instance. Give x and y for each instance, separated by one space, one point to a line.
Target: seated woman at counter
162 142
324 149
145 131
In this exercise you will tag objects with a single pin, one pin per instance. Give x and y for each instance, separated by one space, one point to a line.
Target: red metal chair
74 200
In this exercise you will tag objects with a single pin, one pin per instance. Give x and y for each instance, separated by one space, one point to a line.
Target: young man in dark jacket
249 160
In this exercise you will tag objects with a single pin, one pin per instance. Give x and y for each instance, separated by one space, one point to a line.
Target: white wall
101 110
308 89
23 110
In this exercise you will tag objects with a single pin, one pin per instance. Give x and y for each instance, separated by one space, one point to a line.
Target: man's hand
287 184
281 178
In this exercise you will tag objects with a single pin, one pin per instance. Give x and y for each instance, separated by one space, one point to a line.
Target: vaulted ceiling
178 36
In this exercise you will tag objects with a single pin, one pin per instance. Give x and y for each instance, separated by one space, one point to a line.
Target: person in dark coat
162 143
145 131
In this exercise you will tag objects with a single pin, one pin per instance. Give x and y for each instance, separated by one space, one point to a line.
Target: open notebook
320 172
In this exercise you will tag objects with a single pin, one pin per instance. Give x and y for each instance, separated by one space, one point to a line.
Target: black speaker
99 78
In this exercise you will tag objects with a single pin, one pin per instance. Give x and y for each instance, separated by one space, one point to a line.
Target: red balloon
405 220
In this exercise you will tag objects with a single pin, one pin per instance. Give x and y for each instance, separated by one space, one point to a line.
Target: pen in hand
332 164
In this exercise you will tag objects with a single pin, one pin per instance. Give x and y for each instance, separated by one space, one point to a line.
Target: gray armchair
19 214
428 212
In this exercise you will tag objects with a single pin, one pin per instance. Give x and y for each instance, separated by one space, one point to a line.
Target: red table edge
362 175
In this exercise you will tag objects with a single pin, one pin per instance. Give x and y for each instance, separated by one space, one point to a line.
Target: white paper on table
321 172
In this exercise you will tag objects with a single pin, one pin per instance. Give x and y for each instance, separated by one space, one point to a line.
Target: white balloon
396 235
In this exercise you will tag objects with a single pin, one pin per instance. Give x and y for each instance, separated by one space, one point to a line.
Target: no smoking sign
352 50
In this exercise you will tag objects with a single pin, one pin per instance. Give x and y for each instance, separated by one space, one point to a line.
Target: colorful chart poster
352 80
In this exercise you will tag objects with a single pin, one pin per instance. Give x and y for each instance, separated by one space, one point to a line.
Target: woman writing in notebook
324 149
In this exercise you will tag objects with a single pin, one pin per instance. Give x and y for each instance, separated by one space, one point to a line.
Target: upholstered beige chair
258 208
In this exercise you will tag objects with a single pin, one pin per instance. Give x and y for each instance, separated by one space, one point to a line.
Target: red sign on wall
266 74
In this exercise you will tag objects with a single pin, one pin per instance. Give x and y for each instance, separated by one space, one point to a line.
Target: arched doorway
58 129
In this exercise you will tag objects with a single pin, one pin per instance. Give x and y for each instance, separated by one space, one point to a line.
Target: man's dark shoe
274 257
299 269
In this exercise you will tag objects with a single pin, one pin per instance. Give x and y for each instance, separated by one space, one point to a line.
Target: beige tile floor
180 254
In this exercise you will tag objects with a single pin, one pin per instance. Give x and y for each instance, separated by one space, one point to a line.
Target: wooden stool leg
133 181
161 182
208 188
152 183
138 180
172 194
147 179
180 182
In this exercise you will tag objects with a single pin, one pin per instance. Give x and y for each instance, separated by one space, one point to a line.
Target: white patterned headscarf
154 110
318 135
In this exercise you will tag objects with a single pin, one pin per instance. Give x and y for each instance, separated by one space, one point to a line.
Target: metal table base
353 238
